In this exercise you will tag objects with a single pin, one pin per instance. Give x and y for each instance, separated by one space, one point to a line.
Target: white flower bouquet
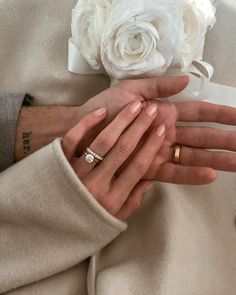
136 38
140 38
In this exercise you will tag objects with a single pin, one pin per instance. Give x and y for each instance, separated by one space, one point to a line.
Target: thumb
156 87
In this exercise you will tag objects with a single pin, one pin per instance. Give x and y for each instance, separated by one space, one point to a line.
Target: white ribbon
199 87
77 63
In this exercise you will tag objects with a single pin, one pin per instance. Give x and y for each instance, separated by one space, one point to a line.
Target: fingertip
210 175
99 113
176 84
184 80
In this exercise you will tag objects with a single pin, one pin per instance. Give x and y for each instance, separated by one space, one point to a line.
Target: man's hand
197 164
202 146
127 91
40 125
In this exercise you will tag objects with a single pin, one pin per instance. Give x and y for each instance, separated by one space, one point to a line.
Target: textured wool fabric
10 105
49 222
181 241
33 53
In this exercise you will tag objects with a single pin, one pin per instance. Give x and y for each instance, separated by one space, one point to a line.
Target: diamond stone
89 158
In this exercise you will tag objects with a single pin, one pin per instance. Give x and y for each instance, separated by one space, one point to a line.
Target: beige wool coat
54 237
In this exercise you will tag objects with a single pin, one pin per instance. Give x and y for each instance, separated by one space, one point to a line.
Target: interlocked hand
198 165
119 194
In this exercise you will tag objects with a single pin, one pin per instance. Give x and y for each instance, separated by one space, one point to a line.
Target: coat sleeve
10 105
49 222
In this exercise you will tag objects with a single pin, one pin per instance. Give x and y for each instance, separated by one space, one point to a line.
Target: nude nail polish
100 112
151 110
135 107
161 130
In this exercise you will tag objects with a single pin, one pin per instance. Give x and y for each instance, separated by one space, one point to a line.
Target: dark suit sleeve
10 105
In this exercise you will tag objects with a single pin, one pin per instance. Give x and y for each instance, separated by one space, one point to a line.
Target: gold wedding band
177 153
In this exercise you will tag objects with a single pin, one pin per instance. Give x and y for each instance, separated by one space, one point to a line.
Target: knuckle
110 206
104 141
166 173
127 89
200 111
69 139
140 165
173 110
98 191
204 139
124 147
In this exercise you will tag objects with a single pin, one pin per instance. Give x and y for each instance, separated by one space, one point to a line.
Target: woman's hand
119 195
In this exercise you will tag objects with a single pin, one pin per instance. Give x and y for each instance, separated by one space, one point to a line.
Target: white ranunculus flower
88 19
198 17
142 37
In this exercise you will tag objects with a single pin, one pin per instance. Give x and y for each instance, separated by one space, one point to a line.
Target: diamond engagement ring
91 156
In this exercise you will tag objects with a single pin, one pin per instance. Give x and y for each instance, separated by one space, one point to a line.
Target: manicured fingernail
161 130
100 112
151 110
135 107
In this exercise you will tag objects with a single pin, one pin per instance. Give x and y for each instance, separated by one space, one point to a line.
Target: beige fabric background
183 240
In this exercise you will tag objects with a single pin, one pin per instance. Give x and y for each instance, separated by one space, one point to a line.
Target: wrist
39 125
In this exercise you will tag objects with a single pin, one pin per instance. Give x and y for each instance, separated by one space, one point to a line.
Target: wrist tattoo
26 137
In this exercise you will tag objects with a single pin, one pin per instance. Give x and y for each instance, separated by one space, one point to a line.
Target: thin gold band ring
177 153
